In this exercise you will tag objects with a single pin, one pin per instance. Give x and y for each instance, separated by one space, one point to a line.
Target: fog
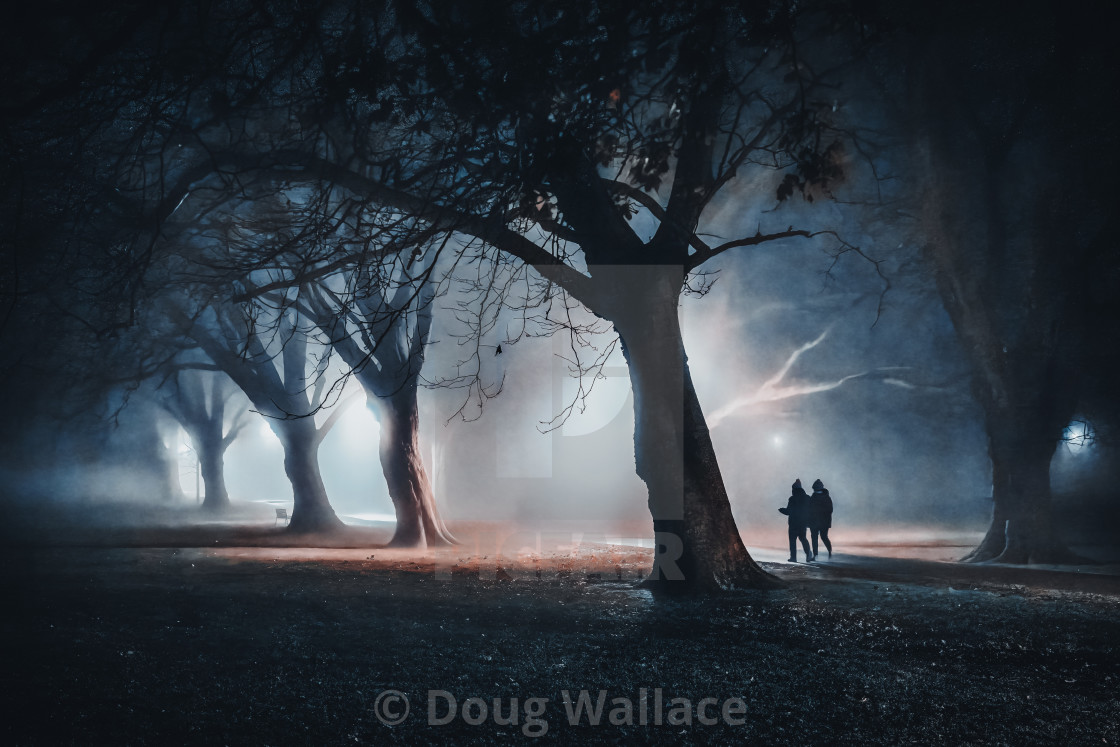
806 367
808 364
800 377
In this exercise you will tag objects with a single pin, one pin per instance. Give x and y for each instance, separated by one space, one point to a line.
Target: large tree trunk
698 544
418 521
311 511
1022 528
1007 264
211 457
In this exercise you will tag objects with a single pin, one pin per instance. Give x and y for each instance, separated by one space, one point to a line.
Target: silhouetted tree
1016 161
591 146
382 341
198 400
371 305
285 394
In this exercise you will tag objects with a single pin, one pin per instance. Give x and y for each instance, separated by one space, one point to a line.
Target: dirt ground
220 634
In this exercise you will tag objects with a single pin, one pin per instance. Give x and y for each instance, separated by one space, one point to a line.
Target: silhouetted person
820 516
798 512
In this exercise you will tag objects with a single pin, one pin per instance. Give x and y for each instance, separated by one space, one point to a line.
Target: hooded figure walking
798 512
820 516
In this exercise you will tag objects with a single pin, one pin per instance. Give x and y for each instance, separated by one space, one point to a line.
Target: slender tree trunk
169 467
311 511
156 461
698 543
211 457
418 521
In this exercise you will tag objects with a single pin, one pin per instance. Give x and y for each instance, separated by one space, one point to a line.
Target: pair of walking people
808 512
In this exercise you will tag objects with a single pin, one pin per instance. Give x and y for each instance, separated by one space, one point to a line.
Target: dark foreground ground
274 646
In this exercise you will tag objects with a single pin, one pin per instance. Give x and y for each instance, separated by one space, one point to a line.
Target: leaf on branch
650 165
789 183
605 149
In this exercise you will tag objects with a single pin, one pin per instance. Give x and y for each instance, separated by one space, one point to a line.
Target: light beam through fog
771 391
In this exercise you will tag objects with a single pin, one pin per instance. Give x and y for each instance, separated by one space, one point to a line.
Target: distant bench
281 513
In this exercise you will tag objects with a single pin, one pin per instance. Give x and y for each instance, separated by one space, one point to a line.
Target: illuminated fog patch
266 433
605 402
358 429
1077 436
